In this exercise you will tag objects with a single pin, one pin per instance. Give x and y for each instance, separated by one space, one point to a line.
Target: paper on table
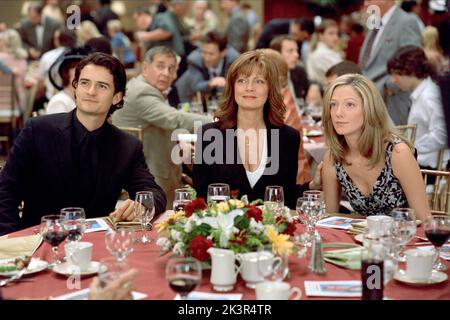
196 295
337 223
333 288
84 294
19 246
96 224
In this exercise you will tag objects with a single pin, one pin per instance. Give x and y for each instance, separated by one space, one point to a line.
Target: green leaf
241 222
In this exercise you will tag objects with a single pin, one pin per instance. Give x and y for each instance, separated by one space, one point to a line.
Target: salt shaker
317 263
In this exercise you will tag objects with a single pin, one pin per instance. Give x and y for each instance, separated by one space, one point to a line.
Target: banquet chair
138 132
439 192
8 111
408 132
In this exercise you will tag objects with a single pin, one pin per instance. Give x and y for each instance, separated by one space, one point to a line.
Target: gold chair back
138 132
8 112
408 132
439 192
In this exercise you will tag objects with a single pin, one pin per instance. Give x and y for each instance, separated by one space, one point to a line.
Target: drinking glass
218 192
372 269
184 274
120 243
437 230
182 197
53 232
309 212
110 269
316 195
144 210
274 198
404 228
75 222
271 266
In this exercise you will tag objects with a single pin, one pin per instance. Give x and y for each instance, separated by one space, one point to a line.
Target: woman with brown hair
249 147
367 159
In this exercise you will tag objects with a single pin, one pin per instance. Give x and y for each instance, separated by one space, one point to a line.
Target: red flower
254 212
240 238
290 227
198 247
234 193
194 205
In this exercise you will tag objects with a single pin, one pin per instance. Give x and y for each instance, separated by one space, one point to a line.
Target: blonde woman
367 160
86 31
433 51
324 51
14 55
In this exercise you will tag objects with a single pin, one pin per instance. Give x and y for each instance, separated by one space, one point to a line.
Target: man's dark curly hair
114 66
411 61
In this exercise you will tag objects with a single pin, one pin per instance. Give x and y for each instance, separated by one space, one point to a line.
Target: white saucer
38 266
359 238
66 269
436 277
314 133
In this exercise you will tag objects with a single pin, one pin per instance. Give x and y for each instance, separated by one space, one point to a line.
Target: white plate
37 266
66 269
436 277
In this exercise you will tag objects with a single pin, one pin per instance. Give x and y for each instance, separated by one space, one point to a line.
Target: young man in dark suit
77 158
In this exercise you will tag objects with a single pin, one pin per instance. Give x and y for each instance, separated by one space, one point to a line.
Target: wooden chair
439 193
137 132
8 111
408 132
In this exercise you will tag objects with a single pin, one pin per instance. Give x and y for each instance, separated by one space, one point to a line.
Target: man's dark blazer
28 34
39 170
234 174
272 29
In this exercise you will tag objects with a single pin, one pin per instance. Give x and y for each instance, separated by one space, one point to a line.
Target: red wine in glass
183 285
54 238
372 287
438 237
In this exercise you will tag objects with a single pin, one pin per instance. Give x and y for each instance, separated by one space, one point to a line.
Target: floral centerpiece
230 225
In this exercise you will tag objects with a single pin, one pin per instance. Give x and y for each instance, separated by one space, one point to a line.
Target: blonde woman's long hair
376 129
430 39
13 43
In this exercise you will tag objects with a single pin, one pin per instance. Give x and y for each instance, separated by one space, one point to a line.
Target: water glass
75 222
404 228
144 210
110 269
274 198
218 192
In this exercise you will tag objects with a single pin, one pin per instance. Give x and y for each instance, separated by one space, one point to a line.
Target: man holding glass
77 159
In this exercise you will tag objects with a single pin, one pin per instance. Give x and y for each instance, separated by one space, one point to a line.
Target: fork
13 278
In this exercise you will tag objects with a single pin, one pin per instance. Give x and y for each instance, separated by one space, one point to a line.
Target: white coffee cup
274 290
79 254
378 225
419 263
250 271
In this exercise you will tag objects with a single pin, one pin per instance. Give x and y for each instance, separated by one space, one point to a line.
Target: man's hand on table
118 289
125 212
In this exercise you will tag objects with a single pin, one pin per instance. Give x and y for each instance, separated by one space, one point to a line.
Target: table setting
228 248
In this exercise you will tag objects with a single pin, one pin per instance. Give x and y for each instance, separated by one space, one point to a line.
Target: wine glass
184 275
53 232
437 230
75 222
144 210
182 197
274 198
218 192
120 243
404 228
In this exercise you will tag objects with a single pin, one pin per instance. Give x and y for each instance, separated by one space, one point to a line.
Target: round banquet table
151 278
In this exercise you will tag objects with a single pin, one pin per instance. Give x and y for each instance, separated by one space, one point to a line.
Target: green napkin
347 258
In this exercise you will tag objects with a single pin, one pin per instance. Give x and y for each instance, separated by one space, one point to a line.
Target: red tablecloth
151 279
